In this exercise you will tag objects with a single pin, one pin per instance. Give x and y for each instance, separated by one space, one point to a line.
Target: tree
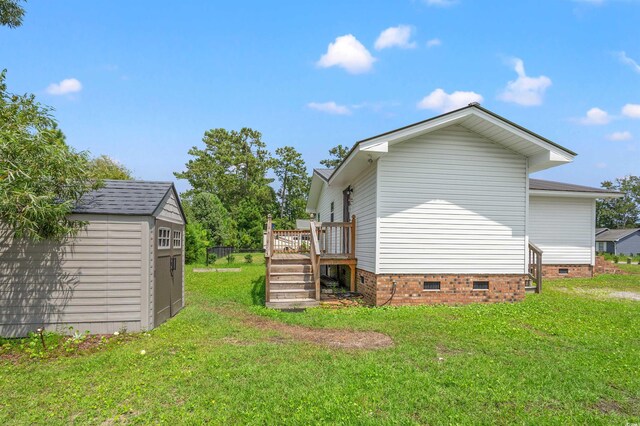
233 165
291 171
41 177
11 13
196 241
620 212
207 210
104 167
338 153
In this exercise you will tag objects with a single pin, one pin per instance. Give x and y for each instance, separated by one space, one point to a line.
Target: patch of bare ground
335 338
625 295
627 407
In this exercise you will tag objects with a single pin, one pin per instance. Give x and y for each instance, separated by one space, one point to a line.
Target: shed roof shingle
126 197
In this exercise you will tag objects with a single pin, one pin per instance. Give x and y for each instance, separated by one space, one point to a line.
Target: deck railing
291 241
315 257
535 266
337 239
268 253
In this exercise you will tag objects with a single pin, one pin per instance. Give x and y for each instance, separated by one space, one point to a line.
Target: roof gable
616 234
126 197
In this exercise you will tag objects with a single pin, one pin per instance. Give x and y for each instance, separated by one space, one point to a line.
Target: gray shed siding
629 244
97 281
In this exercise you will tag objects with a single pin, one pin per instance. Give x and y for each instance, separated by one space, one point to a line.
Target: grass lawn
569 355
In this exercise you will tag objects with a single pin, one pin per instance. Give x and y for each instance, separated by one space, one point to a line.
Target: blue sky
141 81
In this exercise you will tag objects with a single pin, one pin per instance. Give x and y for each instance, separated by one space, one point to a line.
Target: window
481 285
431 285
361 279
563 271
601 246
332 217
164 238
177 239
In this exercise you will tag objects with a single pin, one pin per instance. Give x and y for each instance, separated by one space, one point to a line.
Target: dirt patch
625 295
607 406
335 338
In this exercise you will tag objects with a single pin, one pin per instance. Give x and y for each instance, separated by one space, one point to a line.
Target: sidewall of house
563 227
452 202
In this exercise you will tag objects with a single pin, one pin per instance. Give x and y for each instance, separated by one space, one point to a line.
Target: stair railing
535 265
315 257
268 252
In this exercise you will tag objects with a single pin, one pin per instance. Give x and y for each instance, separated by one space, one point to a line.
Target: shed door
168 271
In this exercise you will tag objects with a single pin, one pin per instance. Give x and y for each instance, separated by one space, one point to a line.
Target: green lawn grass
560 357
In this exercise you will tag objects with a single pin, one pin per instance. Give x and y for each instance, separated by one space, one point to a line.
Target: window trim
174 239
161 238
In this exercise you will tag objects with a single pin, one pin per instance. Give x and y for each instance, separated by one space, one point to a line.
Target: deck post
353 236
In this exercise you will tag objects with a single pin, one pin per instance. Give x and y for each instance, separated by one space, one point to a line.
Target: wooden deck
293 259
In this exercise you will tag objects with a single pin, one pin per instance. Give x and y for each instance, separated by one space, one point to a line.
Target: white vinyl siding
170 211
363 205
96 281
451 202
563 228
330 195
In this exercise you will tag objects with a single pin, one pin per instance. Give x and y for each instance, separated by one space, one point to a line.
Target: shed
125 270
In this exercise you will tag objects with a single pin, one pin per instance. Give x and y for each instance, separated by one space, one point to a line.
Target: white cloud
441 3
620 136
527 91
347 52
596 117
631 110
439 100
434 42
66 86
399 36
329 108
622 56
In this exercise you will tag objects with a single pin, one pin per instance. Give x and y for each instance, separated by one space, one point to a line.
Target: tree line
235 181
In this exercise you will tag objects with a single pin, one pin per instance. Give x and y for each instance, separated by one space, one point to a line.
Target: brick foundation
605 267
454 289
572 271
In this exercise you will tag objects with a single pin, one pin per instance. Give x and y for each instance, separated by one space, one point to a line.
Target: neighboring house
123 271
618 241
446 210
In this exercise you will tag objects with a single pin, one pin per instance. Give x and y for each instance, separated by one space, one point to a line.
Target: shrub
231 258
616 259
248 258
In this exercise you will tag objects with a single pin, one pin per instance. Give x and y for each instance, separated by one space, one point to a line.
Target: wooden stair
291 283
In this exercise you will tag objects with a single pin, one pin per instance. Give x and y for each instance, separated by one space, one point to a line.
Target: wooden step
290 268
291 261
291 293
290 276
286 304
530 289
294 285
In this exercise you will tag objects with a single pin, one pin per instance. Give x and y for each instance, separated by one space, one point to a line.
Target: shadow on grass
257 291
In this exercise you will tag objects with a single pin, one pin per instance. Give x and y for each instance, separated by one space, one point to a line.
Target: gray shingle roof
616 234
535 184
324 173
548 185
126 197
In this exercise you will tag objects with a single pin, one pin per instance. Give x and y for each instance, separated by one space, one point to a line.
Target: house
444 211
618 241
123 271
